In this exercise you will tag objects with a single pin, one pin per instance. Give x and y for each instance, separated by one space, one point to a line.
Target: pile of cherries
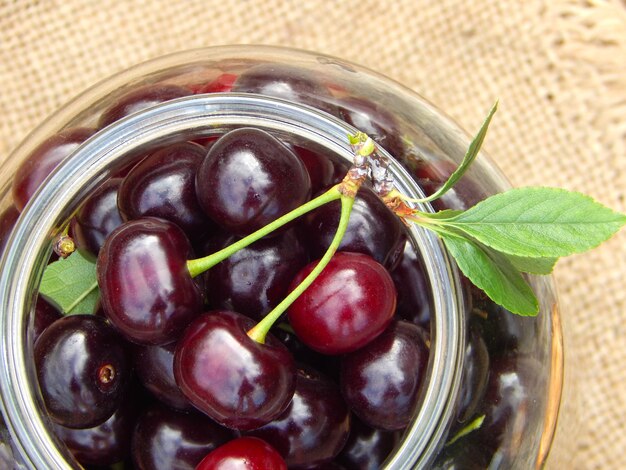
164 374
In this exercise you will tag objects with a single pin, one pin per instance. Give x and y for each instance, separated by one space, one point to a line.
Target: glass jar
484 362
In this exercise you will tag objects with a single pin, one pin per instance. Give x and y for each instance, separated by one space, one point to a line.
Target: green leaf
539 222
524 264
493 273
468 159
70 284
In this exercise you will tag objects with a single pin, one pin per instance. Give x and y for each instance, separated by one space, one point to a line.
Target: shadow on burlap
557 66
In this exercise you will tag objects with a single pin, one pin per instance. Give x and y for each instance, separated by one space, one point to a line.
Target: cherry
381 381
163 185
255 279
236 381
43 159
107 443
248 179
509 405
97 217
314 427
155 370
348 305
166 439
8 218
146 290
290 83
244 453
320 167
83 369
367 448
140 99
373 229
414 299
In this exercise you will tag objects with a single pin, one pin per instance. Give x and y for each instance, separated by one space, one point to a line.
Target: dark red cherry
289 83
83 369
166 439
414 298
107 443
44 316
248 179
146 290
140 99
97 217
372 118
238 382
43 159
381 381
509 404
255 279
367 448
244 453
155 370
320 167
163 185
8 218
347 306
372 230
315 426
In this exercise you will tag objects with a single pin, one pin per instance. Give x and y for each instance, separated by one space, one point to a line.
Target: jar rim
28 248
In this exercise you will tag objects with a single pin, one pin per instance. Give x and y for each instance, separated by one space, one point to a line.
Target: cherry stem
200 265
260 330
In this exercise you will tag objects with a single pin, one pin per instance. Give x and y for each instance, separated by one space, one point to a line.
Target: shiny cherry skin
320 167
154 366
83 369
43 159
166 439
367 448
372 229
414 298
97 217
146 290
255 279
244 453
290 83
140 99
8 218
248 179
163 185
107 443
314 427
381 381
238 382
347 306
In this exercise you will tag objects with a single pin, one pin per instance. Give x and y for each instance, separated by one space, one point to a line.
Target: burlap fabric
558 67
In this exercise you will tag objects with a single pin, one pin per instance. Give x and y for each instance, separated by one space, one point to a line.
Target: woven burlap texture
557 66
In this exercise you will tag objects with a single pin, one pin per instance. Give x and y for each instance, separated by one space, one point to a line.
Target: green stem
259 331
200 265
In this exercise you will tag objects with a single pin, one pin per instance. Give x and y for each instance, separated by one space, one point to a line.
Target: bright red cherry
347 306
245 453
